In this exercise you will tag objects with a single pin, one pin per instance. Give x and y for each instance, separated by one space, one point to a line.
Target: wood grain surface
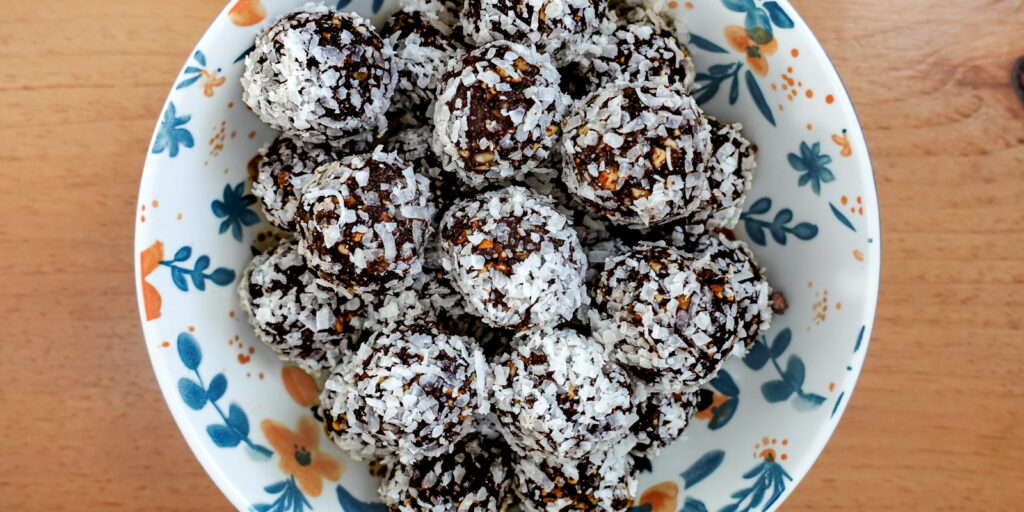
935 423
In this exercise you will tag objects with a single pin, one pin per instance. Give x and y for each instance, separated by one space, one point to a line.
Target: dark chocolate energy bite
554 27
410 389
636 51
413 146
560 399
662 418
298 317
729 269
475 476
637 153
657 318
516 260
320 75
498 113
607 484
423 47
363 221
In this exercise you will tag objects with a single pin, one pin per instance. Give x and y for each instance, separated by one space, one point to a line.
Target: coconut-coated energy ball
305 321
413 145
606 484
498 113
475 476
363 221
637 153
410 389
423 47
516 260
284 166
657 318
729 270
554 27
320 75
662 418
559 398
636 51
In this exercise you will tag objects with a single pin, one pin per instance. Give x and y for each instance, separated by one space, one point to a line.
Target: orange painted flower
211 80
149 260
843 142
662 497
300 454
300 386
757 54
246 13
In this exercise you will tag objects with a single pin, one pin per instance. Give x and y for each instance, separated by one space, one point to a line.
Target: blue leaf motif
721 415
805 231
724 384
200 58
218 385
760 206
223 436
342 4
839 402
795 372
183 254
238 420
758 97
222 276
192 393
776 391
808 402
738 5
202 263
276 488
734 90
703 468
860 337
757 356
778 16
842 217
349 503
705 44
693 505
755 231
781 342
178 278
377 4
704 93
188 351
187 82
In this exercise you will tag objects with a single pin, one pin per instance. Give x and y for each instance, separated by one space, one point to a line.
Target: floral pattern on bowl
811 217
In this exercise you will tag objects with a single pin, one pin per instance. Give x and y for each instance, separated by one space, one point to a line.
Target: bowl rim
824 431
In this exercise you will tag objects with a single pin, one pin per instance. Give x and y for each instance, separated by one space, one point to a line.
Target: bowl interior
811 218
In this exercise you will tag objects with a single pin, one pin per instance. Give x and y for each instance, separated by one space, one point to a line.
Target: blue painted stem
259 449
799 390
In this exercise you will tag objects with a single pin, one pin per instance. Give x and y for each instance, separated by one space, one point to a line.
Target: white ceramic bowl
812 219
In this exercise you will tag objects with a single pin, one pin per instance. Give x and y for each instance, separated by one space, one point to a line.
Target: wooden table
936 420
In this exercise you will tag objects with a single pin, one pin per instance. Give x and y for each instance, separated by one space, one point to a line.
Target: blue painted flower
769 482
171 134
234 209
812 163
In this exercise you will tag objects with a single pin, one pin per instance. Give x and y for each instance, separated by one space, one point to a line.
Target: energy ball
554 27
283 167
423 47
498 113
410 389
607 484
559 398
733 275
413 146
320 75
636 52
294 313
657 318
516 260
662 418
363 221
475 476
637 153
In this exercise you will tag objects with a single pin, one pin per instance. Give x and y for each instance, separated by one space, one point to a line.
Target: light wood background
935 423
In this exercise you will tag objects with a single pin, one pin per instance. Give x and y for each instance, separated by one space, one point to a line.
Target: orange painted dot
142 218
155 203
785 87
225 171
785 442
231 342
673 5
233 133
236 337
774 440
810 284
261 375
231 314
780 107
764 441
784 456
794 52
799 84
857 255
774 87
810 126
688 5
231 104
243 359
831 386
853 209
843 200
165 344
839 305
179 216
859 200
191 329
205 164
860 210
829 99
247 374
252 350
252 134
809 93
789 69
